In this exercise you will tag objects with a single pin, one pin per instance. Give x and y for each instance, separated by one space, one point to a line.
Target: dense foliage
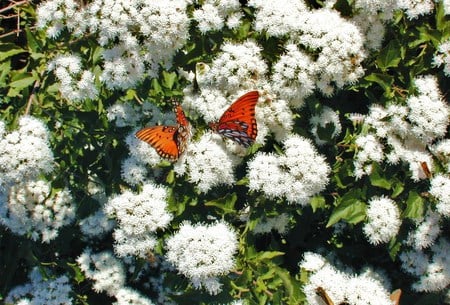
343 198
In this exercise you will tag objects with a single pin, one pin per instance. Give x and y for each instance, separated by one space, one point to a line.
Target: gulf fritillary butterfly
168 141
238 122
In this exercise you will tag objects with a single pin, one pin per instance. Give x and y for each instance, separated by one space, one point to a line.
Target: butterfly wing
238 122
163 139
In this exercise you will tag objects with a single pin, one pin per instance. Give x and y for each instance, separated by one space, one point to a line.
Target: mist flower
203 252
426 232
31 208
17 161
278 223
42 291
213 15
416 8
96 225
138 217
440 189
296 175
442 56
383 220
326 118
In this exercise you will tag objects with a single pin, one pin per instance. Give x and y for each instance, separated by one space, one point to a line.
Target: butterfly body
168 141
238 122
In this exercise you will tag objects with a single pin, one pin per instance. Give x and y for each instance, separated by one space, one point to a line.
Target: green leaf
226 204
414 206
317 202
8 49
350 209
385 81
390 56
268 255
168 79
33 43
394 248
376 179
78 274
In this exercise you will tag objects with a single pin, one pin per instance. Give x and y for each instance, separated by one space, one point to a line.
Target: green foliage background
266 270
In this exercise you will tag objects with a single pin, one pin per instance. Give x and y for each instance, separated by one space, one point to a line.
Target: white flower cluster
41 291
432 267
440 189
202 252
24 153
207 163
383 220
415 8
297 175
328 117
426 232
138 217
96 225
442 56
108 275
137 36
407 130
75 84
214 14
31 208
342 286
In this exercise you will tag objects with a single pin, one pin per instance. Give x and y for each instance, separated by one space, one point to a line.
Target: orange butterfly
169 141
238 122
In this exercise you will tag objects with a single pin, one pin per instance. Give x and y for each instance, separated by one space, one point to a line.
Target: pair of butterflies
237 123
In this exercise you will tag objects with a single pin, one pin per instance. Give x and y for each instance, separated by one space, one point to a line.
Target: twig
32 97
13 5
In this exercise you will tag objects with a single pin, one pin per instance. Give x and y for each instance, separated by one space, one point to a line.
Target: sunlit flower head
383 220
440 189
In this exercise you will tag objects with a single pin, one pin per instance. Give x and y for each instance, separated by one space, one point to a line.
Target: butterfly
238 122
426 169
168 141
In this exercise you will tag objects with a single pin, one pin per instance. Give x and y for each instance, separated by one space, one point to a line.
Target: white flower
385 8
127 295
30 208
293 76
442 56
426 232
104 269
96 225
42 291
428 112
383 220
138 217
17 161
440 189
203 252
312 261
278 223
442 150
369 149
208 163
212 14
327 117
273 115
75 84
297 174
415 8
366 290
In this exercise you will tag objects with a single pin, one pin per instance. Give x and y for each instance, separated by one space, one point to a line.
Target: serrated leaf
169 79
390 56
414 206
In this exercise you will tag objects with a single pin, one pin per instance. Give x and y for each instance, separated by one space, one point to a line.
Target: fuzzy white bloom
135 171
383 220
273 115
385 8
25 153
342 286
440 189
42 291
428 112
296 175
76 84
372 27
138 217
104 269
238 67
203 252
328 117
124 114
213 15
277 18
208 163
293 76
278 223
433 270
416 8
338 45
446 4
442 56
426 232
442 150
31 208
137 36
369 149
127 295
96 225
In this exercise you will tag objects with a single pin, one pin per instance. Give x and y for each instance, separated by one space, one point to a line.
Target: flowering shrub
343 197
